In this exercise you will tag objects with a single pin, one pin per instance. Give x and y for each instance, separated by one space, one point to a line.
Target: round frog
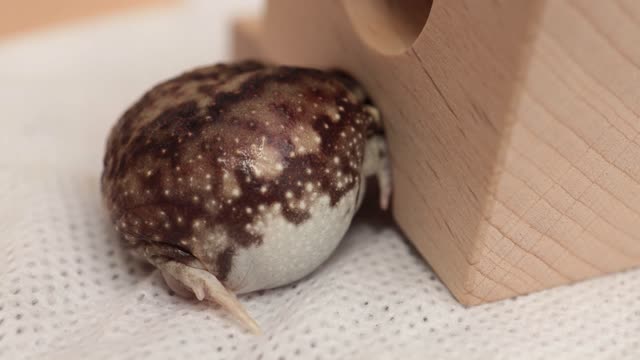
240 177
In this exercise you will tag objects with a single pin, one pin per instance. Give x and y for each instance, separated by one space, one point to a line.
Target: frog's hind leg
205 286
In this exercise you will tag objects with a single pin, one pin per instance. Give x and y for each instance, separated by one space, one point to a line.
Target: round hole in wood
389 26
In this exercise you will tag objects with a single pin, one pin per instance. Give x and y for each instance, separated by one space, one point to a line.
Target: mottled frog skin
242 177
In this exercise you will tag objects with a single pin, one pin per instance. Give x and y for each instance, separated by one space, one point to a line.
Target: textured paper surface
67 290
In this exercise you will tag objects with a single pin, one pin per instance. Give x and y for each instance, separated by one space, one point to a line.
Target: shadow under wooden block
514 149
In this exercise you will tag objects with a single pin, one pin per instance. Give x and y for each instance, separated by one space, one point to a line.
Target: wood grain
513 128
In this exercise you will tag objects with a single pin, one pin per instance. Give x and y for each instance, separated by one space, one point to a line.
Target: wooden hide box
513 126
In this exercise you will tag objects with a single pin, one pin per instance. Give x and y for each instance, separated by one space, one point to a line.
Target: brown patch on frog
162 152
225 261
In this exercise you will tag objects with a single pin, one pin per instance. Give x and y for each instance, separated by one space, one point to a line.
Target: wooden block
513 127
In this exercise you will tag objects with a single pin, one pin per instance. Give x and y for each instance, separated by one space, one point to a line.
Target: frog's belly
288 252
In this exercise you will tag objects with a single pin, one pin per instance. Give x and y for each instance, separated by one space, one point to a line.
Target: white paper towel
68 291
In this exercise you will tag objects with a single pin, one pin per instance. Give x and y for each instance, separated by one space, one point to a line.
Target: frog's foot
385 185
375 114
186 280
